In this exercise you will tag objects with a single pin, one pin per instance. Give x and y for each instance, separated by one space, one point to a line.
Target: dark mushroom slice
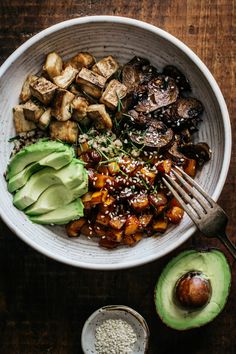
183 113
159 92
138 118
181 81
131 73
137 71
157 135
200 152
175 155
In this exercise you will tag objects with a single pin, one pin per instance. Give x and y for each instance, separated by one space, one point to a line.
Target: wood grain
43 304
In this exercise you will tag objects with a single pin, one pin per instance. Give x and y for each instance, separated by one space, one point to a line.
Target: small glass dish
122 312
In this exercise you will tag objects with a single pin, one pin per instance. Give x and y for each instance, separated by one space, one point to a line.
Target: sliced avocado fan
33 153
56 160
62 215
54 197
214 269
70 176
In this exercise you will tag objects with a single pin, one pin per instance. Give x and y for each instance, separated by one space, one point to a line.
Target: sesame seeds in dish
129 124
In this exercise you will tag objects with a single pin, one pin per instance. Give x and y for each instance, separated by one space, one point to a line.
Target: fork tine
196 185
180 200
191 190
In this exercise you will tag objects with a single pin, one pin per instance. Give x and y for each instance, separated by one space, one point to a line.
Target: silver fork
207 215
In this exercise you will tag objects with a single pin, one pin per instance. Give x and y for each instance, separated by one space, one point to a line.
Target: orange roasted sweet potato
164 166
74 227
157 199
98 197
102 219
114 235
113 167
104 242
144 220
175 214
190 167
131 240
131 225
99 180
140 202
160 225
147 175
88 230
117 222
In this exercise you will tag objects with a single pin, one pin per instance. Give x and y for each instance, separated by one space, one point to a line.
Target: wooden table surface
43 304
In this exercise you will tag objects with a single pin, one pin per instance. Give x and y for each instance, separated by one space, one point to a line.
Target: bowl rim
120 308
214 86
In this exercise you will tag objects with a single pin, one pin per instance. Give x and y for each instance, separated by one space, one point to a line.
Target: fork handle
228 244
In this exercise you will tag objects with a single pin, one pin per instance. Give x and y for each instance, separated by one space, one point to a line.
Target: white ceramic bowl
115 312
123 38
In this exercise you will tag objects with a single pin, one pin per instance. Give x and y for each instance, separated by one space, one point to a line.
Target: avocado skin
71 176
33 153
55 160
166 306
62 215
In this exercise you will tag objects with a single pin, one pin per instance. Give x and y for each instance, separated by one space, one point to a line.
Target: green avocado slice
56 160
62 215
33 153
214 266
56 196
70 176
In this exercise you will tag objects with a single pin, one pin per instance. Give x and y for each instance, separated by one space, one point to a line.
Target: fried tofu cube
131 225
80 105
45 119
32 111
62 105
53 65
66 77
22 125
43 90
81 60
25 91
65 131
91 82
98 113
106 67
114 92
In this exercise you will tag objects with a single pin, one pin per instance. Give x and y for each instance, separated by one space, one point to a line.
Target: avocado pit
193 290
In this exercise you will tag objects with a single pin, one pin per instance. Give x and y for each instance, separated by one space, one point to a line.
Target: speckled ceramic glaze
123 38
115 312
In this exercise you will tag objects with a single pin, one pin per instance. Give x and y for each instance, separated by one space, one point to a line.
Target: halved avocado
193 289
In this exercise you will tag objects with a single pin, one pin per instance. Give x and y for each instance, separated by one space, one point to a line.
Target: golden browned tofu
25 91
66 77
65 131
113 92
106 67
81 60
43 90
62 105
91 82
45 119
32 111
80 105
21 124
53 65
98 113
